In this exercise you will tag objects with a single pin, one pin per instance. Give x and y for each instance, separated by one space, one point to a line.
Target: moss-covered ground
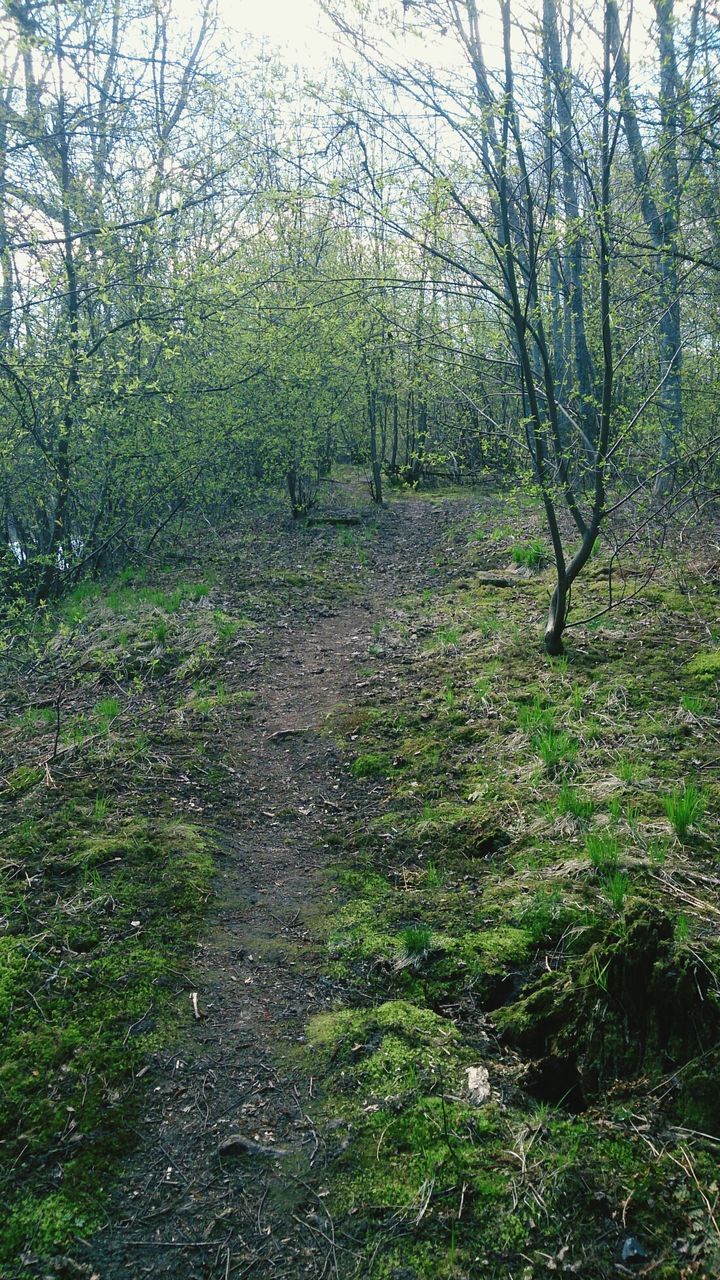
536 894
517 1074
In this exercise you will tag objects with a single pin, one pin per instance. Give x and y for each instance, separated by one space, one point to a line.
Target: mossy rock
637 1002
392 1049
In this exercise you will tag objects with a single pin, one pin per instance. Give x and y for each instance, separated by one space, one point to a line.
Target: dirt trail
186 1206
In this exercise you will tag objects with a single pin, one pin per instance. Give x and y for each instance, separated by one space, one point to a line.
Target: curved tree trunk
557 617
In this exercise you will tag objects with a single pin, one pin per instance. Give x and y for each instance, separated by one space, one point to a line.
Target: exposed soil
185 1205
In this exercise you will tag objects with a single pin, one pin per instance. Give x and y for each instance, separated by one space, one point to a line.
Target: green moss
54 1222
705 665
462 831
390 1047
636 1001
500 947
87 977
396 1075
496 889
431 1140
374 764
696 1099
549 914
23 779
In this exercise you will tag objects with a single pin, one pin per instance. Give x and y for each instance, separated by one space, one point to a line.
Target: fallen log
334 518
238 1144
495 580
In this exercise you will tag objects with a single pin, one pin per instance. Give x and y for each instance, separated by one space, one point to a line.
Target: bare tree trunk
394 447
661 219
375 464
420 438
582 385
560 352
671 337
60 540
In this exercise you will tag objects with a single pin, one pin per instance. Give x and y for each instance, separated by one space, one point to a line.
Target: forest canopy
482 243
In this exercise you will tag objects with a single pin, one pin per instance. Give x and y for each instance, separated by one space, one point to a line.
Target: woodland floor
260 972
388 821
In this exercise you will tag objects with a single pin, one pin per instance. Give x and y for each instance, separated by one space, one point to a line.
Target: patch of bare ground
227 1178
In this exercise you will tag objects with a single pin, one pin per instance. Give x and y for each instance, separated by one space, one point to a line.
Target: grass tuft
415 940
536 717
531 555
555 748
107 710
444 639
603 850
616 887
571 802
685 808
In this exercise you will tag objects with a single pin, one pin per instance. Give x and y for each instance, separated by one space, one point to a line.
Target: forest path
186 1206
